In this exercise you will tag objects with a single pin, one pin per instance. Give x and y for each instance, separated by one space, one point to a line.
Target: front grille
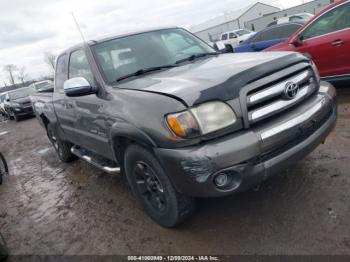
303 134
271 99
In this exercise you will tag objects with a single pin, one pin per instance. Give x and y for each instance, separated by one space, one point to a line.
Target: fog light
221 180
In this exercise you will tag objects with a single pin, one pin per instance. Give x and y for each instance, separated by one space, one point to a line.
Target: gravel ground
48 207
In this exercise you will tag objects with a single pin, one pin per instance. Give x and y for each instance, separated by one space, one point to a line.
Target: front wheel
63 149
154 190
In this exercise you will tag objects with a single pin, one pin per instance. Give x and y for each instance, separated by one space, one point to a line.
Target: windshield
242 32
20 93
123 56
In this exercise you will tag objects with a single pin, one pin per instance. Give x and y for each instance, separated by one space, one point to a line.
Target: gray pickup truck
181 121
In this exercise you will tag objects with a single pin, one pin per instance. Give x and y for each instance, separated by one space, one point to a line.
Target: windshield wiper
195 56
144 71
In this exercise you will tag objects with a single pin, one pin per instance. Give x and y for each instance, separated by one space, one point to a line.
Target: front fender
128 131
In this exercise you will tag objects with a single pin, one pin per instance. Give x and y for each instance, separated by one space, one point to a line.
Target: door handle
338 42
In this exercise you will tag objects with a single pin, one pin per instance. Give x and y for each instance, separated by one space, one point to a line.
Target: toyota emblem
291 90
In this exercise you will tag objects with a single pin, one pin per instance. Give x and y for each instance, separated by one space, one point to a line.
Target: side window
61 73
232 35
224 37
79 66
332 21
266 36
286 30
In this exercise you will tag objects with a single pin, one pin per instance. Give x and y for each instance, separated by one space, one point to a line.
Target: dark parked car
181 121
18 103
269 37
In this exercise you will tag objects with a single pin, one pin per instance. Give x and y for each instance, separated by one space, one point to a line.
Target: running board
93 159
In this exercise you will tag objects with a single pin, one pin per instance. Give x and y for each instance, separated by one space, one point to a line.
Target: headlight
16 104
317 74
201 120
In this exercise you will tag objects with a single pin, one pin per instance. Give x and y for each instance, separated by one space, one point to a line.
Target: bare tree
50 59
22 75
10 69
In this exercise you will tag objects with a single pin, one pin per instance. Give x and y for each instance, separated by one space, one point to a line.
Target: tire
229 49
154 190
62 147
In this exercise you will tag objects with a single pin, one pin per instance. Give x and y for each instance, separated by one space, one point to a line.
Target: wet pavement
48 207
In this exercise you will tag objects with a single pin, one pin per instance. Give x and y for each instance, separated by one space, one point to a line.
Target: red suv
326 38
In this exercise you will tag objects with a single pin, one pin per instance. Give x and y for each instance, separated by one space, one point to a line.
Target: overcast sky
28 28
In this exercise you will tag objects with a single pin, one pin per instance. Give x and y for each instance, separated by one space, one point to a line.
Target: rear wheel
62 148
154 190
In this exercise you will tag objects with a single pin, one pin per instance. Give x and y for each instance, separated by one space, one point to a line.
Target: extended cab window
224 37
285 31
79 66
267 35
332 21
61 73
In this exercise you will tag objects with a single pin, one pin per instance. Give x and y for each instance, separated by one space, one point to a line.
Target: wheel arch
124 134
45 120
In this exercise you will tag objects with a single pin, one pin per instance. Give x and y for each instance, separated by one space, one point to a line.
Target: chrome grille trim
277 89
294 122
279 105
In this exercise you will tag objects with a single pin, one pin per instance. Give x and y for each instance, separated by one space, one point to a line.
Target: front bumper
251 156
23 111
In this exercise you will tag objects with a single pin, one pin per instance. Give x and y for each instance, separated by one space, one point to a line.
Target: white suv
232 39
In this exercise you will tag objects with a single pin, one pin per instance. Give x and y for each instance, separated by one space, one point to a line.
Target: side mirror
7 99
296 41
78 86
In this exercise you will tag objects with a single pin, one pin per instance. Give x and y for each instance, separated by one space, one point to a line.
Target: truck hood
214 78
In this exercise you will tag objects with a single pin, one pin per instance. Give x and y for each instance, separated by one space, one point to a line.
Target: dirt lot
48 207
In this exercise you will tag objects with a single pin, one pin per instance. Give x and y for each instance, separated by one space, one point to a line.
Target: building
312 7
211 30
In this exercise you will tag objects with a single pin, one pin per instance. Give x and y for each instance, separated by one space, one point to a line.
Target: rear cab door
62 104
